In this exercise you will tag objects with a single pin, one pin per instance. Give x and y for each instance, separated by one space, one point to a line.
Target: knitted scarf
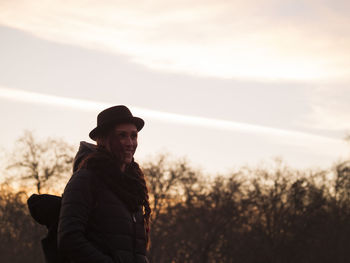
126 185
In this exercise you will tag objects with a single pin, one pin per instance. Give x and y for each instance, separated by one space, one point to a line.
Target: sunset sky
223 83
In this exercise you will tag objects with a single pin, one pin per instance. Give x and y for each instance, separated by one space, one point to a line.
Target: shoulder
81 183
82 174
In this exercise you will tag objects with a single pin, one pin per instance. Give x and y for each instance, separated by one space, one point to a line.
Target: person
105 211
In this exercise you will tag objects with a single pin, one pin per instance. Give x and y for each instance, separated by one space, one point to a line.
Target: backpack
45 209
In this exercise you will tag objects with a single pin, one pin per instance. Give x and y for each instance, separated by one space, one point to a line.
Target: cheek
116 146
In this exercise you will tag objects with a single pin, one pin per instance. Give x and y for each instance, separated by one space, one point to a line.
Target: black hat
115 115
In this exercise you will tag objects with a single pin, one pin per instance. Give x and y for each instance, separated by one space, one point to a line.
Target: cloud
330 109
276 136
253 39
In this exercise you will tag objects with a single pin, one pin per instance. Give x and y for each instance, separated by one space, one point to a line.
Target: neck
122 167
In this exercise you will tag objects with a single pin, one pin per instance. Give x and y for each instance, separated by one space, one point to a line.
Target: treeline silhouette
254 215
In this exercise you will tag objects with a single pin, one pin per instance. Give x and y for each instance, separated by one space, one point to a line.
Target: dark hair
134 168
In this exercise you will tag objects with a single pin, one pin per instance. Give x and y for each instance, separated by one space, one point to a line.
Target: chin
128 161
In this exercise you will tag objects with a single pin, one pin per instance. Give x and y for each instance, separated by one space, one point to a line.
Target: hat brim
139 123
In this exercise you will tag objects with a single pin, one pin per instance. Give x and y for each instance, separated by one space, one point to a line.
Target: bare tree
40 162
19 234
169 182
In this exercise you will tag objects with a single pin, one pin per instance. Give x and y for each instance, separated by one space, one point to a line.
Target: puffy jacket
95 226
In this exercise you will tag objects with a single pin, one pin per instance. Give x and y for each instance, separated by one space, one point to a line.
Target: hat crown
113 114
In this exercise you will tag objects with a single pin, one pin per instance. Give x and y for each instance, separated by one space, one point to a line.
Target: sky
221 83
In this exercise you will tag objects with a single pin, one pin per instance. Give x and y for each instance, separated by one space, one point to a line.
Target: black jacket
95 226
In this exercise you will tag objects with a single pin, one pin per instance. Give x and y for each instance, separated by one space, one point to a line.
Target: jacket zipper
134 239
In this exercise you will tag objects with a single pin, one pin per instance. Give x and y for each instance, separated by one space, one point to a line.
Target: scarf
128 185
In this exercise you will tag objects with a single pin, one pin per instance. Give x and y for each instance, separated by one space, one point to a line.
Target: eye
122 134
134 135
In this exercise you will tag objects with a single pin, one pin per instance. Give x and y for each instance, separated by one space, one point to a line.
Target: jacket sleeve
77 203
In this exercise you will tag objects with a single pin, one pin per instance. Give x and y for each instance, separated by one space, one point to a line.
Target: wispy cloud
287 137
330 109
256 39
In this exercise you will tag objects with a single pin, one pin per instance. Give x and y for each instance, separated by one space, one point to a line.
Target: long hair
130 185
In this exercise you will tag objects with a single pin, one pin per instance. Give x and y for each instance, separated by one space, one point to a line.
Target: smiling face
124 142
121 142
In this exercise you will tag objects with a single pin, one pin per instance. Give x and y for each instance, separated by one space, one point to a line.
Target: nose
129 141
